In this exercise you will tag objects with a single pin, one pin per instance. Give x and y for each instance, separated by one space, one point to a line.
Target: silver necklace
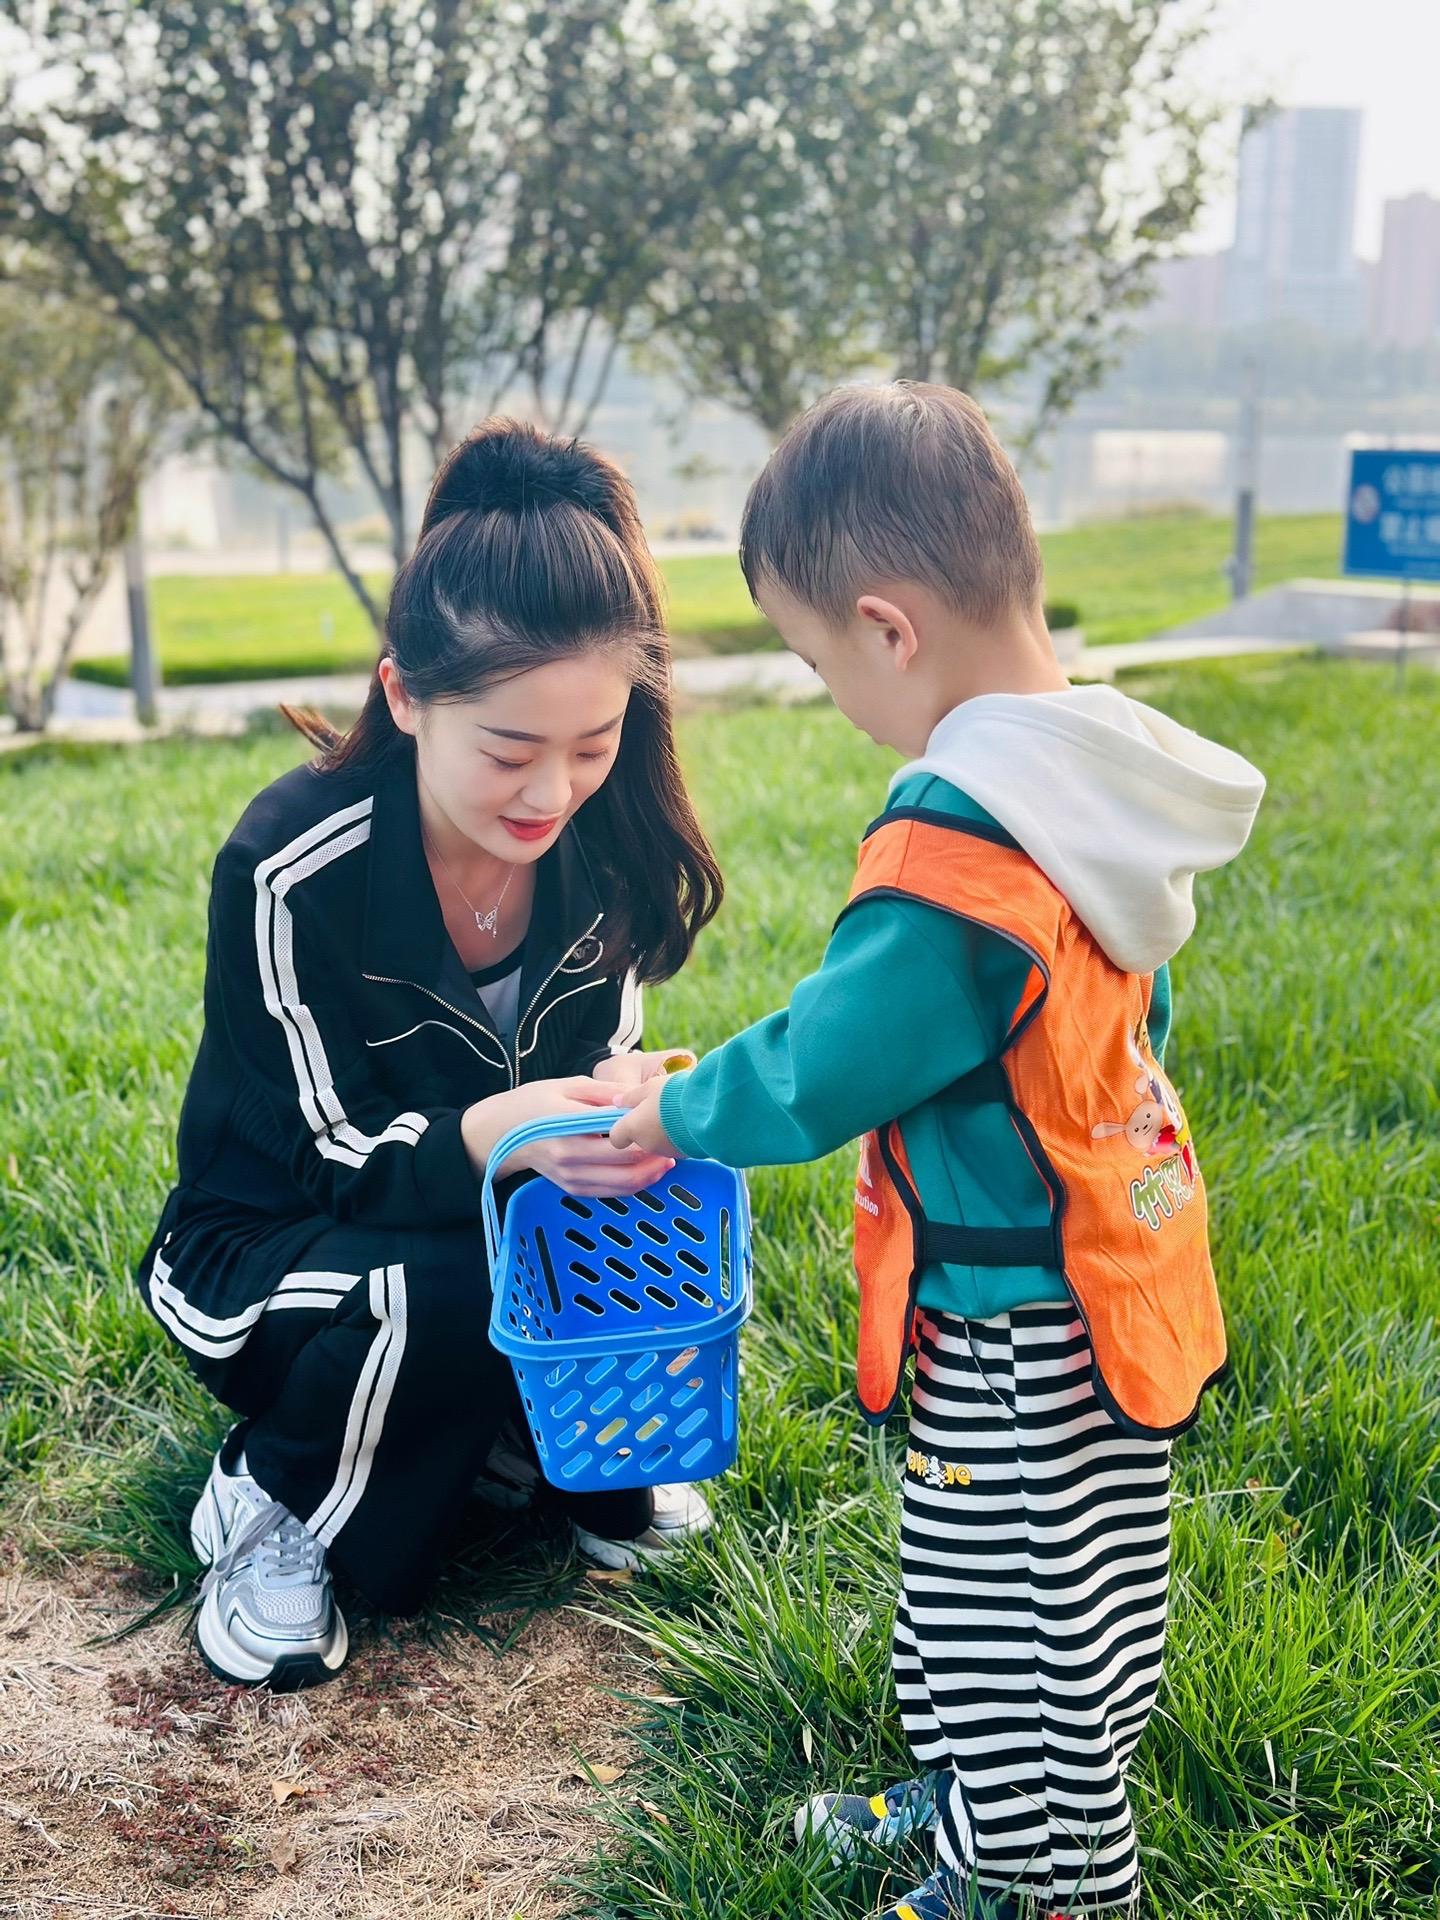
485 922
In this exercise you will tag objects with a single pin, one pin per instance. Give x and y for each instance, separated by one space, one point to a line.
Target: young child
990 1014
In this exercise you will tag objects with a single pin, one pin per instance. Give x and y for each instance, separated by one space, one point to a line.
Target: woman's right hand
577 1163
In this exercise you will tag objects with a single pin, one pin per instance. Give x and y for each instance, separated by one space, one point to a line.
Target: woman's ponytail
373 737
530 548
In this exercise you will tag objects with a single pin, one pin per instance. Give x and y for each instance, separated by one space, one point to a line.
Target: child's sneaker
951 1896
849 1820
678 1514
268 1614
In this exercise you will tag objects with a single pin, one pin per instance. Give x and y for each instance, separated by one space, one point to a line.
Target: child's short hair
889 483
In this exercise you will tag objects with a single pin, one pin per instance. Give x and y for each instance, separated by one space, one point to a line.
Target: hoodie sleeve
906 999
305 1095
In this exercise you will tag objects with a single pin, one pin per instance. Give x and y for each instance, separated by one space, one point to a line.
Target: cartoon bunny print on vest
1157 1126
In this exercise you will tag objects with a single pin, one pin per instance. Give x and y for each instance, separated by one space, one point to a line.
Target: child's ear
893 624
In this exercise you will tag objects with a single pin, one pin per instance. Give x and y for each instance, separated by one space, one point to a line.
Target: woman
438 930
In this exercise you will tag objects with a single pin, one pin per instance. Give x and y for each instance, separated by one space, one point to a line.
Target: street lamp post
1241 564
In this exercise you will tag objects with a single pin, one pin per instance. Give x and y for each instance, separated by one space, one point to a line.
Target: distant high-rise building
1405 309
1294 255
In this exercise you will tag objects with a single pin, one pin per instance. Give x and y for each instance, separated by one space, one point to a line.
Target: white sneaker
680 1513
267 1612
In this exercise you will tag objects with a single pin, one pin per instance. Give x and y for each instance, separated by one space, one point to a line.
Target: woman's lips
527 829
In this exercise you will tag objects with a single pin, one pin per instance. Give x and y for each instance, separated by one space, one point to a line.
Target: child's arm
907 999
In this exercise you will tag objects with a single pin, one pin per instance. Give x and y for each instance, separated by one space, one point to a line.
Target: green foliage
333 224
341 229
967 191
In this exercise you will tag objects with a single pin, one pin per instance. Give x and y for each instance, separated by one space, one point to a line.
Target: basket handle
597 1120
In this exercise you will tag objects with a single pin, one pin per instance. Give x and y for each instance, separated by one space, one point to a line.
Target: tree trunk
351 577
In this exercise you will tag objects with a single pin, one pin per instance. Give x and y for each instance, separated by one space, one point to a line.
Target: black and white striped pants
1035 1549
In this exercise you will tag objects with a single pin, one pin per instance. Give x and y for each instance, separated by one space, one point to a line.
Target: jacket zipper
535 997
389 980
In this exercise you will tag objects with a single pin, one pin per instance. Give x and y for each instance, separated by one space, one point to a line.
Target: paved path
88 711
1103 663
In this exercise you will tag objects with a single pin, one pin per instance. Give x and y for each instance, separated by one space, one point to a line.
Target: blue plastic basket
622 1317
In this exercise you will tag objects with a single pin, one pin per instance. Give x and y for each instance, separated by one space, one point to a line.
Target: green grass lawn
1128 578
1132 578
1292 1767
248 626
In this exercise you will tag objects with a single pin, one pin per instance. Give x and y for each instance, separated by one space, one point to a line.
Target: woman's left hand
591 1165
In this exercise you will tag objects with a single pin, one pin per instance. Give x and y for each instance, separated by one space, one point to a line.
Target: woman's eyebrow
538 739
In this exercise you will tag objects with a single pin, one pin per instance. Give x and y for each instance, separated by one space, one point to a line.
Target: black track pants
373 1395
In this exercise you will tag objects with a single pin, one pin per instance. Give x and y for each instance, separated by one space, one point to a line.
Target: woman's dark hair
531 551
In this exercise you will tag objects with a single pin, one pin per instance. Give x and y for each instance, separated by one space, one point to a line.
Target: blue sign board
1392 521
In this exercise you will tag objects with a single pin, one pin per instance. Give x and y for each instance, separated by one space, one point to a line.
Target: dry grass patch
433 1778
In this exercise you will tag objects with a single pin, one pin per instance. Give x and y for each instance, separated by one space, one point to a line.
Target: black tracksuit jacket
343 1039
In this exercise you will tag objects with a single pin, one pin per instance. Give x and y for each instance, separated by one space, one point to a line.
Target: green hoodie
907 999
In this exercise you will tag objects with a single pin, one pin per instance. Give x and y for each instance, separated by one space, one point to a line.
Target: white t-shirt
499 988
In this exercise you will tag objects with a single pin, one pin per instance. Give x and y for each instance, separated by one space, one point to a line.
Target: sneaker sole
283 1675
219 1652
627 1556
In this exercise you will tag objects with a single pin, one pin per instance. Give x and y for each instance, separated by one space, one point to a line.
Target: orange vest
1098 1118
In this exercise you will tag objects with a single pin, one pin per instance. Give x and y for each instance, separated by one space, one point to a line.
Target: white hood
1119 806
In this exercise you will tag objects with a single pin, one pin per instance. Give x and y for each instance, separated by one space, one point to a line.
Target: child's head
889 541
526 668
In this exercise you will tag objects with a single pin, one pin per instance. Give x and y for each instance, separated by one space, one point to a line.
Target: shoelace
910 1807
274 1535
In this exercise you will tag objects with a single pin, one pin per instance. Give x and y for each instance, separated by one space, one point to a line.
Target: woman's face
509 768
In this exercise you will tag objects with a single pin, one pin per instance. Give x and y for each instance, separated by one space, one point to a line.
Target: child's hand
641 1125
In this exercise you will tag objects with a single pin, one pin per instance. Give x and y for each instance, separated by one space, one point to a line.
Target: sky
1382 56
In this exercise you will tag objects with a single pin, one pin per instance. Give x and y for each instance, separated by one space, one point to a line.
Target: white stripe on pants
1035 1549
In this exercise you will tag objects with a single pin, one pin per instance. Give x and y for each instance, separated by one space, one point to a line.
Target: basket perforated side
633 1420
